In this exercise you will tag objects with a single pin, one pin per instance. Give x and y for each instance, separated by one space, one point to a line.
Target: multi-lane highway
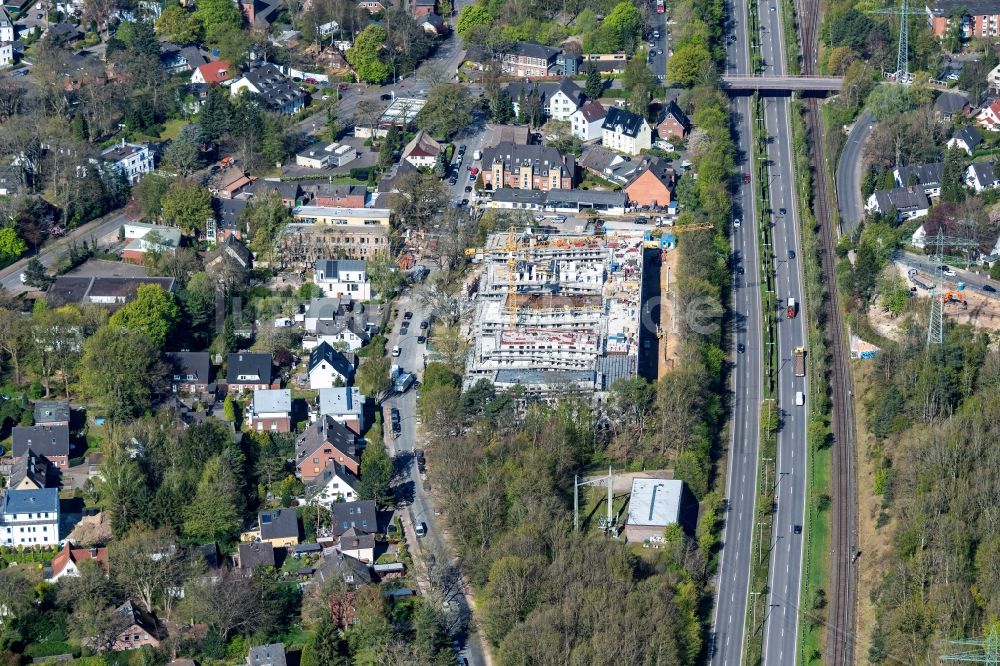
781 624
734 570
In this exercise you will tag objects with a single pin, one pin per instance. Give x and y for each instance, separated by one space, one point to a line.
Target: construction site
556 313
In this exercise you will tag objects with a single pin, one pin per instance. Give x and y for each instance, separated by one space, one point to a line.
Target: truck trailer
800 361
793 308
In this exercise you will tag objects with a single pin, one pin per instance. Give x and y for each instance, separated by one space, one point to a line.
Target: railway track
843 588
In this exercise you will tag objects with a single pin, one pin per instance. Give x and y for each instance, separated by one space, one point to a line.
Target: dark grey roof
31 468
134 615
969 135
187 364
275 88
658 167
546 89
326 431
256 554
325 353
267 655
331 470
286 189
543 158
345 568
278 524
927 175
556 197
351 540
903 199
331 267
361 516
51 411
519 196
235 248
44 500
228 212
598 159
621 121
675 111
68 289
335 190
950 103
533 50
48 441
968 7
984 172
248 368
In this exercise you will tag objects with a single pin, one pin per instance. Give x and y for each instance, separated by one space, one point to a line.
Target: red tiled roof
68 554
216 72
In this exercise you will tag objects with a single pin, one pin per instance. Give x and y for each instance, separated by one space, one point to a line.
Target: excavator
956 296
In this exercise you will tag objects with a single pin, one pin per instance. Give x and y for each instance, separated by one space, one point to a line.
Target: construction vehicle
800 361
793 308
956 296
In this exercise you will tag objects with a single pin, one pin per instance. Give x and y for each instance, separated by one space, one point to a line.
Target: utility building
653 504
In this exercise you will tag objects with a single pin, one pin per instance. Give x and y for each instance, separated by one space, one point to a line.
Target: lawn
817 557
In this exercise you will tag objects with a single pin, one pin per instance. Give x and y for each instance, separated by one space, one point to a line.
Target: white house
989 117
982 176
344 277
344 404
133 160
919 237
328 28
586 122
333 155
6 54
328 367
359 546
559 100
67 561
30 517
6 26
422 151
967 138
928 176
909 202
143 238
270 410
625 132
334 484
344 333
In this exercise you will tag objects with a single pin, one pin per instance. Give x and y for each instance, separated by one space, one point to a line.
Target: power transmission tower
903 55
605 523
988 652
935 325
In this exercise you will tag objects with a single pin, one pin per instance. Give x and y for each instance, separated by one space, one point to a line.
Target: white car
396 351
948 271
23 277
736 223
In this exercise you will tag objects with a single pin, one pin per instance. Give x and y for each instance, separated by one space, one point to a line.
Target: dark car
463 203
990 288
419 453
782 211
394 415
791 254
740 270
405 328
424 325
386 98
407 315
421 339
468 188
796 529
741 348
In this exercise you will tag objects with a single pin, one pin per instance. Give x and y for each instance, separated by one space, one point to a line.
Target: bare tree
147 563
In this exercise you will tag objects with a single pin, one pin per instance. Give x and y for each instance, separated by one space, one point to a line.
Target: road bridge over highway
779 84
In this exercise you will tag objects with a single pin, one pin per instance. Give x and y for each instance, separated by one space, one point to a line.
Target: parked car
424 325
396 351
421 529
407 316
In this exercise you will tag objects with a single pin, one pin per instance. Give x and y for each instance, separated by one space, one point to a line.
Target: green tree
213 514
952 176
267 217
503 109
686 66
216 16
376 475
149 193
326 648
120 369
198 302
12 246
448 110
123 490
153 313
179 25
366 55
621 30
35 275
594 85
215 114
187 205
184 152
639 82
472 16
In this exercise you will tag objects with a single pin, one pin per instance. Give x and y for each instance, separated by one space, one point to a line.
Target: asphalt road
973 281
781 621
51 252
410 486
659 62
733 578
848 177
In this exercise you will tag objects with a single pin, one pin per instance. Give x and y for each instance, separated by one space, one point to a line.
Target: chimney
93 552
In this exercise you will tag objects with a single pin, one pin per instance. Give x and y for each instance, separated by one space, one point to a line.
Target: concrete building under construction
556 314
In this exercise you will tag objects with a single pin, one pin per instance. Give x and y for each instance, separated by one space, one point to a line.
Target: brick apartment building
980 18
531 167
530 59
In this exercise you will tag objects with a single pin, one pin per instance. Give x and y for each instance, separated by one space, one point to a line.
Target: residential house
360 516
977 18
625 132
347 333
359 546
249 556
328 367
10 181
558 100
569 64
909 202
989 116
67 560
279 527
518 134
345 405
652 185
189 372
653 505
29 472
6 54
344 277
112 292
587 121
213 73
52 413
326 309
323 443
132 160
227 217
260 13
950 105
968 138
229 182
334 484
248 371
422 151
63 34
178 60
345 568
373 6
993 79
50 442
927 176
572 202
270 410
531 167
277 91
6 26
290 191
330 157
674 125
231 253
30 518
529 59
143 239
267 655
982 176
420 8
433 25
338 196
140 628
